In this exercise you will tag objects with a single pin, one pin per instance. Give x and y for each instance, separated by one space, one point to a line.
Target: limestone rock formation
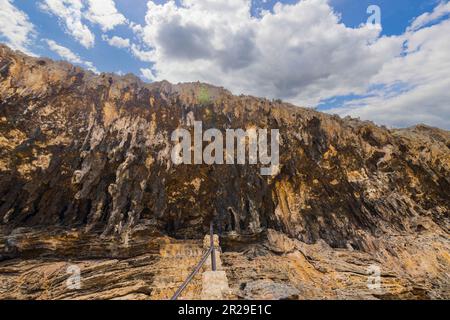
86 176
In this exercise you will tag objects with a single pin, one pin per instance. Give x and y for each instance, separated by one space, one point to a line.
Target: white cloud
147 74
15 27
299 52
117 42
105 14
146 56
440 11
68 55
73 13
69 12
302 53
421 81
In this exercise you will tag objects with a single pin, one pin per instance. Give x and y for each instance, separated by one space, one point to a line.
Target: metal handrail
192 275
211 251
211 244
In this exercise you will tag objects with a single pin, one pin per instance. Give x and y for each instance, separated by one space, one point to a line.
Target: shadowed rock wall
93 152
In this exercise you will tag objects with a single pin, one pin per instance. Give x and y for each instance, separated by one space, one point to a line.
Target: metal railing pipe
192 275
213 251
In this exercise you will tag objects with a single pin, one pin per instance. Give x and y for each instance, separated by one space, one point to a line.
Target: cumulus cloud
147 74
413 87
69 12
440 11
302 53
72 14
143 55
15 27
68 55
298 52
117 42
105 14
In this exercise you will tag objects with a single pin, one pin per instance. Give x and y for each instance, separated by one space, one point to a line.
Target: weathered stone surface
143 277
269 290
215 285
411 267
85 173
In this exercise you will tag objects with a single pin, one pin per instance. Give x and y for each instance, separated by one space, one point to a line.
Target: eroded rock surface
86 173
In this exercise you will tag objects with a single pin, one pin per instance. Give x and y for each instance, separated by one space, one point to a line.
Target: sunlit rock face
92 153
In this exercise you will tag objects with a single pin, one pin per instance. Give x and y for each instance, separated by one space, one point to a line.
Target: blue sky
396 16
336 64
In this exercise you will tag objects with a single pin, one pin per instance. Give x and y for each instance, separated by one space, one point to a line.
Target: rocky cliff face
92 154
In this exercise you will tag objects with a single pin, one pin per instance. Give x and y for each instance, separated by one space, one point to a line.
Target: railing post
213 251
192 275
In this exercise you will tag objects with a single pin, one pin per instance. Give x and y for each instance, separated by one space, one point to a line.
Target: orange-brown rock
86 175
